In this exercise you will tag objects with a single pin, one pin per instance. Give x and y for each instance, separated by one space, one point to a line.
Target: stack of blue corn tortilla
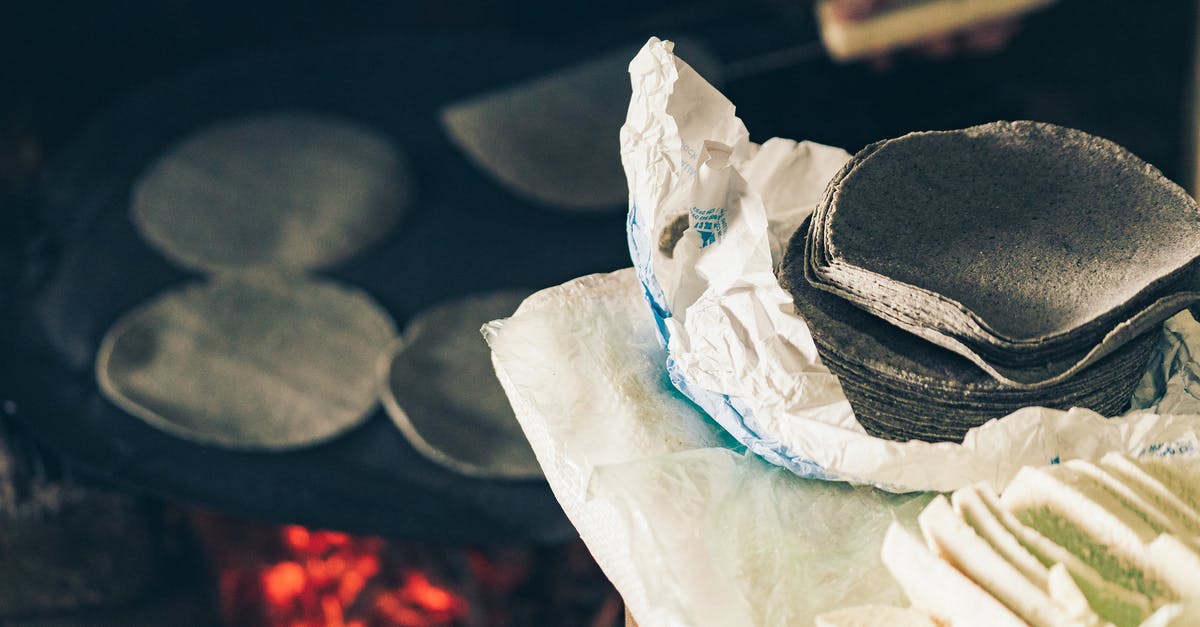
952 277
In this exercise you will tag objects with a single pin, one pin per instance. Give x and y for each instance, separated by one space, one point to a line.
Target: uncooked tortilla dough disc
552 138
287 190
439 387
252 361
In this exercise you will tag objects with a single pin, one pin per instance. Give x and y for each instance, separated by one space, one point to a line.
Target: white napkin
690 529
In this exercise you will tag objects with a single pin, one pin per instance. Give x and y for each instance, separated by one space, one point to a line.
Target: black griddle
463 234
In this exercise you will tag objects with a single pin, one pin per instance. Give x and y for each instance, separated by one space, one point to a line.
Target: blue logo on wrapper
729 412
710 223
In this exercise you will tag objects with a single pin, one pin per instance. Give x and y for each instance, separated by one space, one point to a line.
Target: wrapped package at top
836 388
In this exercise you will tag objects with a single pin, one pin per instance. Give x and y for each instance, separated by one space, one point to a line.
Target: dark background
70 72
1117 68
90 91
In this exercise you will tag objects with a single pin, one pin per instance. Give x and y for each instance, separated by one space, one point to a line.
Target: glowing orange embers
283 583
417 599
291 576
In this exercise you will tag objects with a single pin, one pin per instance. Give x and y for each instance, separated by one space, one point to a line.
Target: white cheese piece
1153 489
875 616
954 541
975 512
1111 601
1185 614
1160 481
935 586
1177 564
1170 473
1088 521
1150 513
1077 544
1073 602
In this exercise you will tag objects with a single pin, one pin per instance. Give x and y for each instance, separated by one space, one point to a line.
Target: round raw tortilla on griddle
439 387
285 190
248 361
547 138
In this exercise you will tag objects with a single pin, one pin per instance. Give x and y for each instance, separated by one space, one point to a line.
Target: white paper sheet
690 529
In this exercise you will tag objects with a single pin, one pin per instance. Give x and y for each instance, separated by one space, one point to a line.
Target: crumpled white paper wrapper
736 346
690 528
